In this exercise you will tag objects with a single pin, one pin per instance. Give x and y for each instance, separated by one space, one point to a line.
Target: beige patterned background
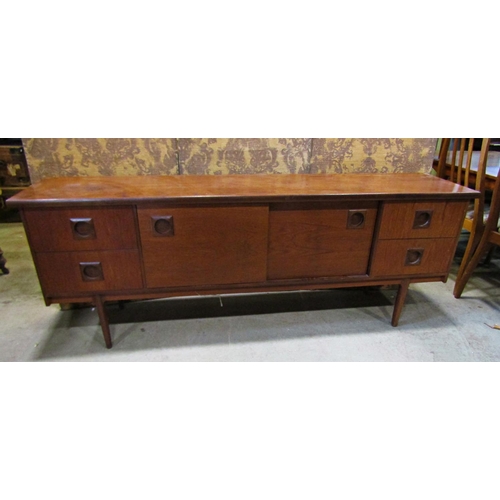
372 155
244 156
94 157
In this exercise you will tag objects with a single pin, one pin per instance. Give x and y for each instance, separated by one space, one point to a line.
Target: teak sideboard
121 238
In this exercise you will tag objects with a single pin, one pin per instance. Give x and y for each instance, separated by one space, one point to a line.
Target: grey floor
338 325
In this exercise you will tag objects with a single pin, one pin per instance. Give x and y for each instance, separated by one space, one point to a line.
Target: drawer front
75 229
422 219
412 257
63 273
320 240
203 246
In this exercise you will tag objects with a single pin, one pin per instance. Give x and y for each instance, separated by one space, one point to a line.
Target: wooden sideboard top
237 188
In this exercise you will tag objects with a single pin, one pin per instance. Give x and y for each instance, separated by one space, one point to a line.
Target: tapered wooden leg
472 244
489 256
400 301
104 321
462 279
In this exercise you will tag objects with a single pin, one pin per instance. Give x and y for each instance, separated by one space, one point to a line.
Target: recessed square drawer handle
356 219
422 219
83 229
162 225
414 256
91 271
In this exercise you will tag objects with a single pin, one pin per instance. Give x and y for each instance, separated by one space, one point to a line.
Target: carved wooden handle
162 225
356 219
83 229
91 271
414 256
422 219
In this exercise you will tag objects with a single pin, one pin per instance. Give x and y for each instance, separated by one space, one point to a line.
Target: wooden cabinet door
313 240
210 245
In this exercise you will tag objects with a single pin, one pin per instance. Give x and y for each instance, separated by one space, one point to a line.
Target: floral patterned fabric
339 156
94 157
244 156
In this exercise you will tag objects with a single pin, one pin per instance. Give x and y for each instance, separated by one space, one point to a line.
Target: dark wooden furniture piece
14 174
3 261
118 238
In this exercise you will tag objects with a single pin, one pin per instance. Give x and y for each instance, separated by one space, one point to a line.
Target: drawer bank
122 238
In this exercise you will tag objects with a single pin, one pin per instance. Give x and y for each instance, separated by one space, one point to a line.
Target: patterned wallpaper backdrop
94 157
244 156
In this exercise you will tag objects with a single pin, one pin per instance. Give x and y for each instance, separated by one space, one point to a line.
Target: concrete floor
338 325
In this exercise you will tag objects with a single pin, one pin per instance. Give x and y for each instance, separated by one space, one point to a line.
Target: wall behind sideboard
94 157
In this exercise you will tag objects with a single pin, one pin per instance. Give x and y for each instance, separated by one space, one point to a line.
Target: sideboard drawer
76 272
203 246
76 229
431 219
320 239
412 257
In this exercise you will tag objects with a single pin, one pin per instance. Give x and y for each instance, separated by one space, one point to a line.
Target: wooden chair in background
455 162
489 236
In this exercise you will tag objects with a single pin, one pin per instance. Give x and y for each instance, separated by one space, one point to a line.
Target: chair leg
489 256
463 277
472 244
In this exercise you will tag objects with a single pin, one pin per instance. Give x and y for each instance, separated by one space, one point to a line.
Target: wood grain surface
52 230
315 242
213 245
237 188
60 272
398 219
390 257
